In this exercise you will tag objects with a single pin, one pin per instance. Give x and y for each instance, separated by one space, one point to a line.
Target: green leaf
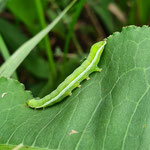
16 59
143 11
3 49
5 53
47 45
78 10
19 9
2 5
109 112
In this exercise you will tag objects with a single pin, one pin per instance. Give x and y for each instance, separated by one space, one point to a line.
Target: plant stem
48 49
71 28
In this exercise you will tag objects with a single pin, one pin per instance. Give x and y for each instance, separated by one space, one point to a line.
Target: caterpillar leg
98 69
70 94
88 78
79 85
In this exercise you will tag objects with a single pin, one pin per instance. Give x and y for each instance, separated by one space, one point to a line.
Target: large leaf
109 112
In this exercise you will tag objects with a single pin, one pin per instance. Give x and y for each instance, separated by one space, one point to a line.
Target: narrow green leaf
79 7
40 13
2 5
5 53
143 11
16 59
19 9
3 49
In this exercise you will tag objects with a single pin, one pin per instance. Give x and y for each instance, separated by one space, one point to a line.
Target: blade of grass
48 49
79 7
132 16
16 59
2 5
143 11
5 53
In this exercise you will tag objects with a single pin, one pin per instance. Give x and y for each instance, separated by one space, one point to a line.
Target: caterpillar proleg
73 80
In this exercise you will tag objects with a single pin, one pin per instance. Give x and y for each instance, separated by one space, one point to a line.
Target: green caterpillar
73 80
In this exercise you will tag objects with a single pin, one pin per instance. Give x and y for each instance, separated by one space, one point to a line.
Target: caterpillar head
96 46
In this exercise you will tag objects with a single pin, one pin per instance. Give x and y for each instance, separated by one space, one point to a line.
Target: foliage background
87 22
110 111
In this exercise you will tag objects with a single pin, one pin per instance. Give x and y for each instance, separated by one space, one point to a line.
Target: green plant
111 111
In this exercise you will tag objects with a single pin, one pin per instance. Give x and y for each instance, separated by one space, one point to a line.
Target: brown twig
95 22
115 10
